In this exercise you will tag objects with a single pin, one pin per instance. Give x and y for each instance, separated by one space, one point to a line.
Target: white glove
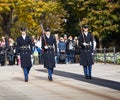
46 47
31 56
18 56
85 44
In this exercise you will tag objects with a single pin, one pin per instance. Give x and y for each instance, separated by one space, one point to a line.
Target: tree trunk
100 43
6 23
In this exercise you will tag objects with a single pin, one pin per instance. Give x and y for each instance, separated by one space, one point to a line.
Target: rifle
41 25
43 33
87 45
82 30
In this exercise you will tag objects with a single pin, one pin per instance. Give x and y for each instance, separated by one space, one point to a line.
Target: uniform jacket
24 48
49 54
86 58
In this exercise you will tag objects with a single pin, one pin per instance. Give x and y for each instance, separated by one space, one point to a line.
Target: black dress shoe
50 78
87 77
26 80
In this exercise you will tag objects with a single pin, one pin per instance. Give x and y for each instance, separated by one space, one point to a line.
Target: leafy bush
100 57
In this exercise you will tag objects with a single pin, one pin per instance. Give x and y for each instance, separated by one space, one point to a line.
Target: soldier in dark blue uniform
50 50
86 44
24 48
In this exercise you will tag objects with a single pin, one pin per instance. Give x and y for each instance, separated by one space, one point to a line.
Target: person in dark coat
86 44
2 56
24 48
50 51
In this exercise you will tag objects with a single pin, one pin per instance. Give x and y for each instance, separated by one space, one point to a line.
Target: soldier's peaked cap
47 29
23 28
85 26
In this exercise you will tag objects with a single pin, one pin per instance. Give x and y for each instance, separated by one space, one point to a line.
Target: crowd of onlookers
68 50
7 51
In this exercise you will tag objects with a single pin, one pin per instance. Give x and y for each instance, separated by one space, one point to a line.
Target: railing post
105 55
114 55
5 57
95 54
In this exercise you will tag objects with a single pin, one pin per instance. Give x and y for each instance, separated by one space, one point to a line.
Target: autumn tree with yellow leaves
30 13
63 16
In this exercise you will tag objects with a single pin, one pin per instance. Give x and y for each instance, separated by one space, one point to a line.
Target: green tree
101 15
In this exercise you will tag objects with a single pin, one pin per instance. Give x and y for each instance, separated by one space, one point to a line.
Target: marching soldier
24 48
50 50
86 44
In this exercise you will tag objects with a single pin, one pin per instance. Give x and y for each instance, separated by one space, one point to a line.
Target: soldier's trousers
50 72
87 70
26 71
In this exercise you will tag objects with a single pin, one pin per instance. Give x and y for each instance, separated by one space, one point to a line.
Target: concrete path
68 84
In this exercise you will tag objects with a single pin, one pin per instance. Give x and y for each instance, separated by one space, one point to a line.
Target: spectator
71 49
77 50
62 50
38 46
11 51
57 42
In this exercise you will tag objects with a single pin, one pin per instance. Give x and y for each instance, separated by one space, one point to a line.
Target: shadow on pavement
97 81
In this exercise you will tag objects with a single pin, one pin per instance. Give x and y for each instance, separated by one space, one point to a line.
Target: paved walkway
68 84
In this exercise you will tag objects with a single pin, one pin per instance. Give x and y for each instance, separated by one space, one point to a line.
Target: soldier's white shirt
47 36
86 33
24 36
